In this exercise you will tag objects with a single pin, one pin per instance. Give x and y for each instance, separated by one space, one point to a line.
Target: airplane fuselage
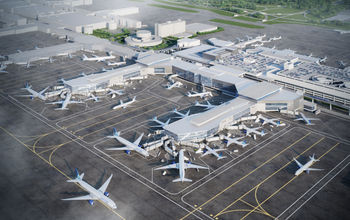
66 101
201 94
304 167
181 165
36 94
124 105
133 146
97 194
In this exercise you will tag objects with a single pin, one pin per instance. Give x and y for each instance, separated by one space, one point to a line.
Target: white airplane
199 94
236 140
115 63
33 93
273 121
257 45
124 105
176 84
97 58
341 64
134 146
3 68
93 97
114 93
306 167
305 119
64 103
276 38
207 106
212 151
161 124
323 60
202 94
181 115
248 131
94 194
28 64
181 166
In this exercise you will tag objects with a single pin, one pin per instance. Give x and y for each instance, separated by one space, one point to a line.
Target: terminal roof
260 90
211 118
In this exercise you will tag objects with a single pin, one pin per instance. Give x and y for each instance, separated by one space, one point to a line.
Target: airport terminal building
249 95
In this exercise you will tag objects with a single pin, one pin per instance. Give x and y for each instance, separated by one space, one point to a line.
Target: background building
170 28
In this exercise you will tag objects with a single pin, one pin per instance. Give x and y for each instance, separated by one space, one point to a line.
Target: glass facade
275 106
130 75
159 70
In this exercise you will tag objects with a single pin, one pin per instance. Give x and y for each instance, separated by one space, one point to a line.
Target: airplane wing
189 165
299 164
24 95
54 103
87 197
138 140
170 166
105 185
313 169
42 91
72 102
120 148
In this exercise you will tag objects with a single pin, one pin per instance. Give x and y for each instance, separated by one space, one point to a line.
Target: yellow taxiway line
273 194
267 178
242 178
50 164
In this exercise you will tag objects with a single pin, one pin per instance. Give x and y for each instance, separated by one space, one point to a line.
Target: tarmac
41 148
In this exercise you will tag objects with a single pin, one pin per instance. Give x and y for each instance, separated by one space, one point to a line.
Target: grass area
208 32
221 12
167 42
222 21
173 8
120 37
282 10
244 18
217 11
345 26
298 17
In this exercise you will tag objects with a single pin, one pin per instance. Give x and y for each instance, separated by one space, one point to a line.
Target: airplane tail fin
221 157
115 132
313 158
84 57
27 85
77 178
134 99
182 180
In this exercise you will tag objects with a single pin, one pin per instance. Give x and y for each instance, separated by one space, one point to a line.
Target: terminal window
159 70
275 106
130 75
